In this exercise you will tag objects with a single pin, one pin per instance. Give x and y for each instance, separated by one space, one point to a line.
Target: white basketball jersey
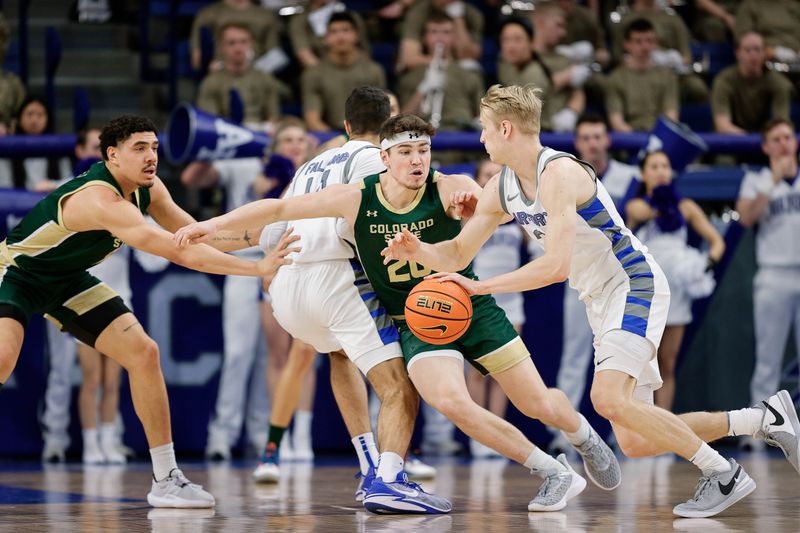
350 163
604 247
778 237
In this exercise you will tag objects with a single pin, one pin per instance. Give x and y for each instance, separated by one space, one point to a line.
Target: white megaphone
194 135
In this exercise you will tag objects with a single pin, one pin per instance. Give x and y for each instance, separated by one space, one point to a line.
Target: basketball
438 312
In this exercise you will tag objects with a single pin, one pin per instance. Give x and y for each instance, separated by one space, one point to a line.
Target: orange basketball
438 312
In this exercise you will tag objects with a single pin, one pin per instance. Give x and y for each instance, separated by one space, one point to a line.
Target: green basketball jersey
42 246
378 221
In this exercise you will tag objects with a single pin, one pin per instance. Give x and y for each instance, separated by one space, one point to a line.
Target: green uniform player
43 265
409 198
490 343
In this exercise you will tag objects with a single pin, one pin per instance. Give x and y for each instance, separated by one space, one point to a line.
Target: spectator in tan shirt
259 91
344 67
746 96
638 91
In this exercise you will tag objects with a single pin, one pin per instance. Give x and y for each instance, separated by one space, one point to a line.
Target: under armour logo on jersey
413 135
372 213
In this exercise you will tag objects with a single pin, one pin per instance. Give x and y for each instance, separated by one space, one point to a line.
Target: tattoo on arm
129 327
231 238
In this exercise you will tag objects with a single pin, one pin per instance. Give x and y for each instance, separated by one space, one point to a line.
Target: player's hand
276 258
196 232
402 246
463 204
470 285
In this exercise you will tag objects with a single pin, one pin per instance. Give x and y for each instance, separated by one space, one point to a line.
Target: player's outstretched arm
455 254
171 217
100 208
334 201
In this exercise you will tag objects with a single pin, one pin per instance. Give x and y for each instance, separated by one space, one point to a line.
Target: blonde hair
521 104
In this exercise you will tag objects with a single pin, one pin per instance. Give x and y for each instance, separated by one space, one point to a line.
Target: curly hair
121 128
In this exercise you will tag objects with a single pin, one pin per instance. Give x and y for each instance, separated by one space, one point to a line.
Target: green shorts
490 344
80 304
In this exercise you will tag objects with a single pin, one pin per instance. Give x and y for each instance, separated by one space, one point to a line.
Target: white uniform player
776 287
323 298
576 349
242 390
619 282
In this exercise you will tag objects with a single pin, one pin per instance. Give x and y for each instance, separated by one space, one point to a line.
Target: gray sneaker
780 426
717 492
178 492
600 463
559 486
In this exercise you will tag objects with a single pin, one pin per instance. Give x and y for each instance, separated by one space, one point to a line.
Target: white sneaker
268 472
178 492
112 453
53 453
416 469
558 488
93 455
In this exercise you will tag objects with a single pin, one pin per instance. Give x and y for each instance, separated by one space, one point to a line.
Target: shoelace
701 487
544 490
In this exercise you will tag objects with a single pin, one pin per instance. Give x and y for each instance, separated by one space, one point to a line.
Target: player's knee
145 356
90 382
451 404
608 404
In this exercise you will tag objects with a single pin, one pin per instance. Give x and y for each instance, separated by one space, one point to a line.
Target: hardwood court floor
488 496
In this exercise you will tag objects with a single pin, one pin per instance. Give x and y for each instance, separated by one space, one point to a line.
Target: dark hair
343 16
641 191
774 123
648 155
18 172
121 128
437 16
524 23
639 25
25 103
590 118
366 109
402 123
233 24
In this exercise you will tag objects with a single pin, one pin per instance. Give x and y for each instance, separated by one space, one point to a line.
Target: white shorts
612 311
331 308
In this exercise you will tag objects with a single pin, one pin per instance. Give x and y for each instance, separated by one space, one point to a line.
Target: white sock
581 435
108 433
91 439
709 461
538 460
302 426
389 465
366 450
744 421
164 462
